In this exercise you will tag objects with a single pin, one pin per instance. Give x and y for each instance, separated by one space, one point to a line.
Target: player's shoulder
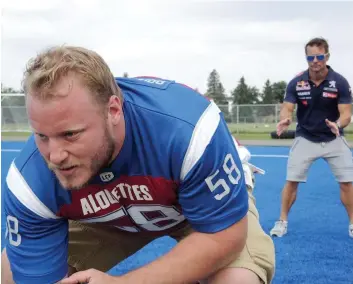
300 80
337 77
177 119
31 181
299 77
29 160
165 97
27 154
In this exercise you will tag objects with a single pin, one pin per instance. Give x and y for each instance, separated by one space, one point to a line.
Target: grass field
241 136
243 131
262 131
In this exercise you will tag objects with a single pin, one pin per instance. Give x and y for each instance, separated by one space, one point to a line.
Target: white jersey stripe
201 137
19 187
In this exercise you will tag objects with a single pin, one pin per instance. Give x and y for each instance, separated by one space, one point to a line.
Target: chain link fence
258 118
13 113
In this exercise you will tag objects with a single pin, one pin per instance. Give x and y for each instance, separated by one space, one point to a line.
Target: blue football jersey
178 164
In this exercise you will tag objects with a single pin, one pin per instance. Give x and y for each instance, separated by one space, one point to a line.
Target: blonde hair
45 70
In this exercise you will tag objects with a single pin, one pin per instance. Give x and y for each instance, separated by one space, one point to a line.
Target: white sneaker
350 230
280 229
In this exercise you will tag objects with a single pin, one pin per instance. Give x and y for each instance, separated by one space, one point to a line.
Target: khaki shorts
101 247
304 153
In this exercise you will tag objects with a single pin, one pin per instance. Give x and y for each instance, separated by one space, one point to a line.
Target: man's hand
90 276
333 127
283 125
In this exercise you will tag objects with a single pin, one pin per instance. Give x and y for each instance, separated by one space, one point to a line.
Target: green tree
243 95
254 95
279 90
215 89
267 93
266 113
272 94
216 92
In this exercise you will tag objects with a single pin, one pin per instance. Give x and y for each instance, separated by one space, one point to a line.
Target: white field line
254 155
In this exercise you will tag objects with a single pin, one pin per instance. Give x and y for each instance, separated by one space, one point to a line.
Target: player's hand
283 125
333 127
90 276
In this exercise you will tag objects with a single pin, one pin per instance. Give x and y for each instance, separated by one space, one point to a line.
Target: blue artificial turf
316 249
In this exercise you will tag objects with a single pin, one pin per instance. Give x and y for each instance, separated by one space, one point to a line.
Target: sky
180 40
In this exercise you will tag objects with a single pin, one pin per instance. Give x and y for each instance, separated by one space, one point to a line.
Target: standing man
324 107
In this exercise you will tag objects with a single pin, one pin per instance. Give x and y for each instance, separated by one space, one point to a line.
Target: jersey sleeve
212 194
345 92
290 96
36 241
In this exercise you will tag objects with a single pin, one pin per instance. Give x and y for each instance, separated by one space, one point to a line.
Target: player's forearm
193 259
345 111
285 113
344 120
6 274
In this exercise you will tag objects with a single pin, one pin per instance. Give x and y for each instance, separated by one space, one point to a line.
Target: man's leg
302 154
234 275
100 247
347 198
339 157
289 195
255 264
91 246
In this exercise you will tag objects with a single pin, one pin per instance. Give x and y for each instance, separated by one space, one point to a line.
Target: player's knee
234 275
346 186
292 185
